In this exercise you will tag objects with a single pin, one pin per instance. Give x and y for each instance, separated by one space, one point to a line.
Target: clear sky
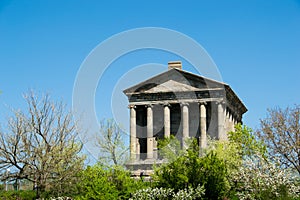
255 44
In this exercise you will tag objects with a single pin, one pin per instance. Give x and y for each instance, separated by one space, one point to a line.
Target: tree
40 145
170 148
213 167
245 142
111 143
260 178
190 170
280 131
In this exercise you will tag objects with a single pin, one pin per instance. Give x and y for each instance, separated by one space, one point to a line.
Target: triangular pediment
171 86
174 81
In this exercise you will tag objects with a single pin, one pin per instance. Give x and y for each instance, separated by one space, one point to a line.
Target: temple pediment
174 80
171 86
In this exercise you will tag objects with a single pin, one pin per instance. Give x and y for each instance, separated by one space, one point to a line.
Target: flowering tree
259 178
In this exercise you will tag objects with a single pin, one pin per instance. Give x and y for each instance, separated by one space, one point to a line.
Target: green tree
190 170
94 184
213 167
245 141
170 148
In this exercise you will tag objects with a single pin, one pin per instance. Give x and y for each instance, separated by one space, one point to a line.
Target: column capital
149 105
202 103
131 106
166 104
222 102
184 104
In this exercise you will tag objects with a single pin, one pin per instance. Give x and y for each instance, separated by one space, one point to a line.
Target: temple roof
177 80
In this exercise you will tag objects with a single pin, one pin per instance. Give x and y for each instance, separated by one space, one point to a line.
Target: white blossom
258 175
167 193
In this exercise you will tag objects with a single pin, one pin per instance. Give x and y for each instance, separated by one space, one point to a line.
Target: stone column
221 121
231 121
133 140
155 149
149 132
167 119
234 120
226 126
185 123
226 123
138 149
203 137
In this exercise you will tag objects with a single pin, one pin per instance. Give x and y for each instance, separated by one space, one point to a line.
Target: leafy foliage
99 182
223 169
21 195
170 148
245 141
95 184
190 170
227 152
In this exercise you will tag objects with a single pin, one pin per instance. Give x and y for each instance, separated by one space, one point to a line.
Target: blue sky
255 44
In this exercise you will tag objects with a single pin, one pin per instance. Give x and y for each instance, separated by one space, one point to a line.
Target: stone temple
179 103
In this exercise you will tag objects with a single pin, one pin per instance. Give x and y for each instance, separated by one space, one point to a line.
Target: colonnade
226 121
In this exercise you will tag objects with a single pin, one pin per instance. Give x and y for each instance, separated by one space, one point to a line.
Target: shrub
19 195
168 193
98 182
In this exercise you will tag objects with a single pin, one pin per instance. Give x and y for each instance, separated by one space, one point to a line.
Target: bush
19 195
98 182
168 193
